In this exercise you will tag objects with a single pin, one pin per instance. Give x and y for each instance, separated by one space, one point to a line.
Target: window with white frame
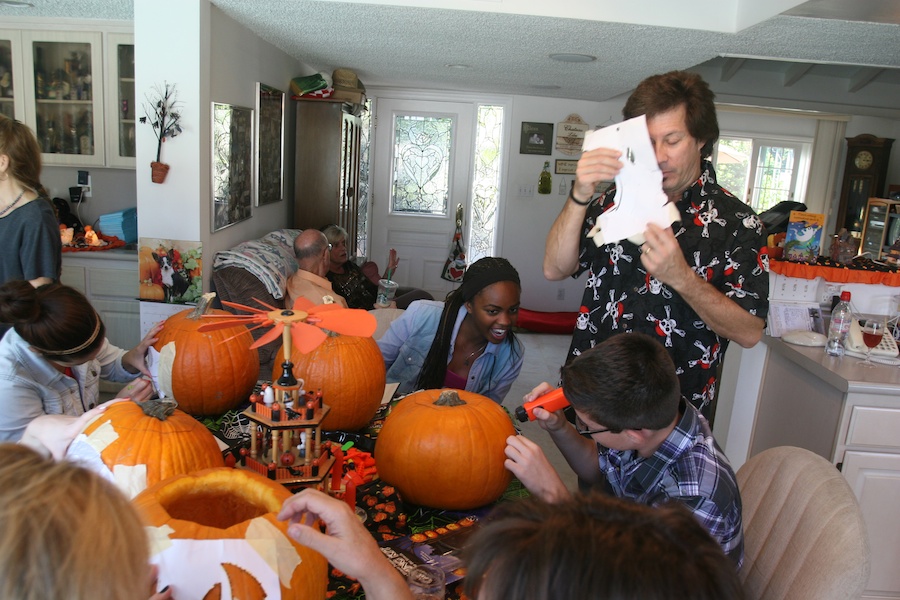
763 171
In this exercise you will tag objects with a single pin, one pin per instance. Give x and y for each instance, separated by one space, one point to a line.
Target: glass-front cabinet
11 102
66 89
881 227
122 103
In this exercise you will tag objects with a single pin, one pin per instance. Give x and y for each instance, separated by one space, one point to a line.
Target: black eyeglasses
582 429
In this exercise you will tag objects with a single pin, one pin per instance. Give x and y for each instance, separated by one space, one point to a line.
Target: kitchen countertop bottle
841 317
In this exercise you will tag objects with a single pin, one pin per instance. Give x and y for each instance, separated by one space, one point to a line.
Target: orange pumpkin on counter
445 449
207 373
225 521
350 372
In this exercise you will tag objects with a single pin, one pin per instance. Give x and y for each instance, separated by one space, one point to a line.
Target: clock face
863 159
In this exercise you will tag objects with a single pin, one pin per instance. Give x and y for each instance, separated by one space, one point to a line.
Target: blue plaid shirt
688 467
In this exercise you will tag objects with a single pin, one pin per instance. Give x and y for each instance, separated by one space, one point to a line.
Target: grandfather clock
864 178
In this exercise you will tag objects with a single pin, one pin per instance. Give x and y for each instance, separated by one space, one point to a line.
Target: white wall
214 59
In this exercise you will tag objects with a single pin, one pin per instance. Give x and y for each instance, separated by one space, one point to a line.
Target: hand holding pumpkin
54 433
133 360
346 544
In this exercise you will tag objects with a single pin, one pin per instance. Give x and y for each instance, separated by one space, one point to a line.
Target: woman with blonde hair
67 534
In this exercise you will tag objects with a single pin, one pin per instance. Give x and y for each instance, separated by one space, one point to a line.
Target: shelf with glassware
881 226
62 78
121 102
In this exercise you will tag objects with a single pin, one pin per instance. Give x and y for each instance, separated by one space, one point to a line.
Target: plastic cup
426 582
386 291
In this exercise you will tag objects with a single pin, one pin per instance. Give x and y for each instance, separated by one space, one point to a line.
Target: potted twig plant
161 110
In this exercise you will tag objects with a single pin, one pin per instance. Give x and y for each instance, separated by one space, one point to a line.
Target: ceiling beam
794 72
863 77
730 68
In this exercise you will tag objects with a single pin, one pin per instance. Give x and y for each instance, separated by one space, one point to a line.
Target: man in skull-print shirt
695 285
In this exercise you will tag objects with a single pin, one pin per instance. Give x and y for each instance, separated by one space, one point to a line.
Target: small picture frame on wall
537 138
565 167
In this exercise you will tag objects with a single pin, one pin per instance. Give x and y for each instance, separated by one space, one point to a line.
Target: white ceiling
849 47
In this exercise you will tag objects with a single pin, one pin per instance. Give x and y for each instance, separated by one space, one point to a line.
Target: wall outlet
827 292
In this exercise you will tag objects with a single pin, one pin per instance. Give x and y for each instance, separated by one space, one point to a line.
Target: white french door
422 157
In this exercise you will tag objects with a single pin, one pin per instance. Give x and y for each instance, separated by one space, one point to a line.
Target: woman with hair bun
466 342
52 361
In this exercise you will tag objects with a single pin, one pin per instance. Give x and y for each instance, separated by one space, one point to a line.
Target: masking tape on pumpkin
102 437
282 556
166 366
131 479
159 538
193 567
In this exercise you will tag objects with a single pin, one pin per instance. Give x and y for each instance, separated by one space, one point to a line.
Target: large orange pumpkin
445 449
142 446
350 372
236 505
208 373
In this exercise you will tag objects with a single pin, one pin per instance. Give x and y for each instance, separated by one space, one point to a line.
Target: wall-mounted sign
570 135
565 167
537 138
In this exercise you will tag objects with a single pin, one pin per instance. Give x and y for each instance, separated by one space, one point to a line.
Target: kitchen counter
788 395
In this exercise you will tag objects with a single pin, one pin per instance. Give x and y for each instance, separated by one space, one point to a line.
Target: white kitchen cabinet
63 85
122 105
851 416
109 279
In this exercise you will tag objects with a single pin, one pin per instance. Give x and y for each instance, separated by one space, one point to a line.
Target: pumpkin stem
449 398
204 305
160 408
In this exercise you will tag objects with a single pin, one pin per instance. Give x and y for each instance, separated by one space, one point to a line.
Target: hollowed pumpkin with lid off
208 373
445 449
350 372
221 524
143 443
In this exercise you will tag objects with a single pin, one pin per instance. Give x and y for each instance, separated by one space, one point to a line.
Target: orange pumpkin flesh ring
142 448
208 373
237 505
445 449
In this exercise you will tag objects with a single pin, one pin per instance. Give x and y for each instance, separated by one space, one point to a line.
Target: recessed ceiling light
457 66
573 58
16 4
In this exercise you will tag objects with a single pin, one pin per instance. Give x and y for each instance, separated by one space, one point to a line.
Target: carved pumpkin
197 513
142 446
445 449
350 372
151 291
148 268
207 373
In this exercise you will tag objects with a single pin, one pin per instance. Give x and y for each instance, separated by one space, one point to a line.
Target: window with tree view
762 172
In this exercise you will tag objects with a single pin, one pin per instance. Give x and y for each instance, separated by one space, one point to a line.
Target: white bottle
841 317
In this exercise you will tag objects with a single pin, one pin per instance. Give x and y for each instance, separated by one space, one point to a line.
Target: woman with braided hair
466 342
53 358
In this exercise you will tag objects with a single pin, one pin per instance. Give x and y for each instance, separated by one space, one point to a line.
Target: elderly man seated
312 251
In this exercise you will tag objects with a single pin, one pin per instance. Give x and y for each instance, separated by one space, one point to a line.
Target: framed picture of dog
269 145
170 270
232 164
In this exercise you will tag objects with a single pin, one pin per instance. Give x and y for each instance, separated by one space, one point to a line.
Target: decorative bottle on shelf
841 317
545 183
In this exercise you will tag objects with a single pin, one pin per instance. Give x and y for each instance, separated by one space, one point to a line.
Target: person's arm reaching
564 238
663 258
346 543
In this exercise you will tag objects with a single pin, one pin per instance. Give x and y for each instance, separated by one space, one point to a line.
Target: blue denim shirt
406 343
30 386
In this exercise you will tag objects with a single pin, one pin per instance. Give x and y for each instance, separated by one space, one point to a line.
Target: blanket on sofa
270 259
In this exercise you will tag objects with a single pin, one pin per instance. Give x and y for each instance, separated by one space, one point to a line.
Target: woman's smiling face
495 310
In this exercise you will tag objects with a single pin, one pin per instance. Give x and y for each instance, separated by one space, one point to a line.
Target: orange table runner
837 275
